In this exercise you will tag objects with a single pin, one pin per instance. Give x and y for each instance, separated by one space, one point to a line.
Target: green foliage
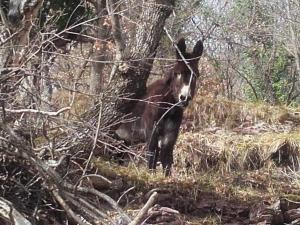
247 67
281 77
264 62
246 38
256 63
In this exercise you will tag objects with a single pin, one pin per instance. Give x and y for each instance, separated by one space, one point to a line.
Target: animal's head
183 80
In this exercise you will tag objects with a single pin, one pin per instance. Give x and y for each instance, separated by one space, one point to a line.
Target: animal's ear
169 78
181 47
198 49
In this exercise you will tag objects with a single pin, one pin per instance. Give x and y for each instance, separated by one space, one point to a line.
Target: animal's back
145 113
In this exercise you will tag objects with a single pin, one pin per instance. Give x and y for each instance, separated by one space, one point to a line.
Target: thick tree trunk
131 76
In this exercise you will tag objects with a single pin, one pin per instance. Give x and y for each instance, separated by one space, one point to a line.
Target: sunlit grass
207 111
244 168
227 151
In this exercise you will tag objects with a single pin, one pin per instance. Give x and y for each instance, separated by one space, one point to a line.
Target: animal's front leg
166 157
153 151
168 141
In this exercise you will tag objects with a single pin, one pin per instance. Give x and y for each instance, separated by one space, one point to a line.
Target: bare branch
3 18
35 111
67 208
138 219
53 180
10 214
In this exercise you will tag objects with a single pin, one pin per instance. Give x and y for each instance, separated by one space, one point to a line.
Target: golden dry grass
238 151
208 111
226 151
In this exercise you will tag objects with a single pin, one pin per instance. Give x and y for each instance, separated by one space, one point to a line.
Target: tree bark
100 49
268 81
45 87
15 45
131 76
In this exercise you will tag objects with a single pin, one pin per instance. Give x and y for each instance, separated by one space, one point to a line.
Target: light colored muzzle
185 95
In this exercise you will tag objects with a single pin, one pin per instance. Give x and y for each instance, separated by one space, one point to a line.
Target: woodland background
69 72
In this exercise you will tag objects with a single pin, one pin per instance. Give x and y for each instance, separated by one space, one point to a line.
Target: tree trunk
45 86
14 48
131 76
100 47
268 81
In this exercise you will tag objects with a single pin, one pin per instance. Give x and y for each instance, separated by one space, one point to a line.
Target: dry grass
228 151
240 152
79 102
226 136
241 186
143 180
208 220
207 111
205 158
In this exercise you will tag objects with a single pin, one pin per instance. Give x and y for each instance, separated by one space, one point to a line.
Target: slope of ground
231 159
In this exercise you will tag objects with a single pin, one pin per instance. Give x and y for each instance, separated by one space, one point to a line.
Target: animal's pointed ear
198 49
169 78
181 47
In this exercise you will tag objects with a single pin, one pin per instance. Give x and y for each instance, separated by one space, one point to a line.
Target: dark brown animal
159 113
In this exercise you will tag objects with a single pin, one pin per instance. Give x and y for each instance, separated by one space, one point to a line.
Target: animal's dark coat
159 113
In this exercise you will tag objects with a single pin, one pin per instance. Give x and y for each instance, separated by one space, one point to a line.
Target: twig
209 31
157 123
138 219
17 111
88 208
53 180
2 103
247 81
180 53
125 192
67 208
95 140
95 175
105 197
3 17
